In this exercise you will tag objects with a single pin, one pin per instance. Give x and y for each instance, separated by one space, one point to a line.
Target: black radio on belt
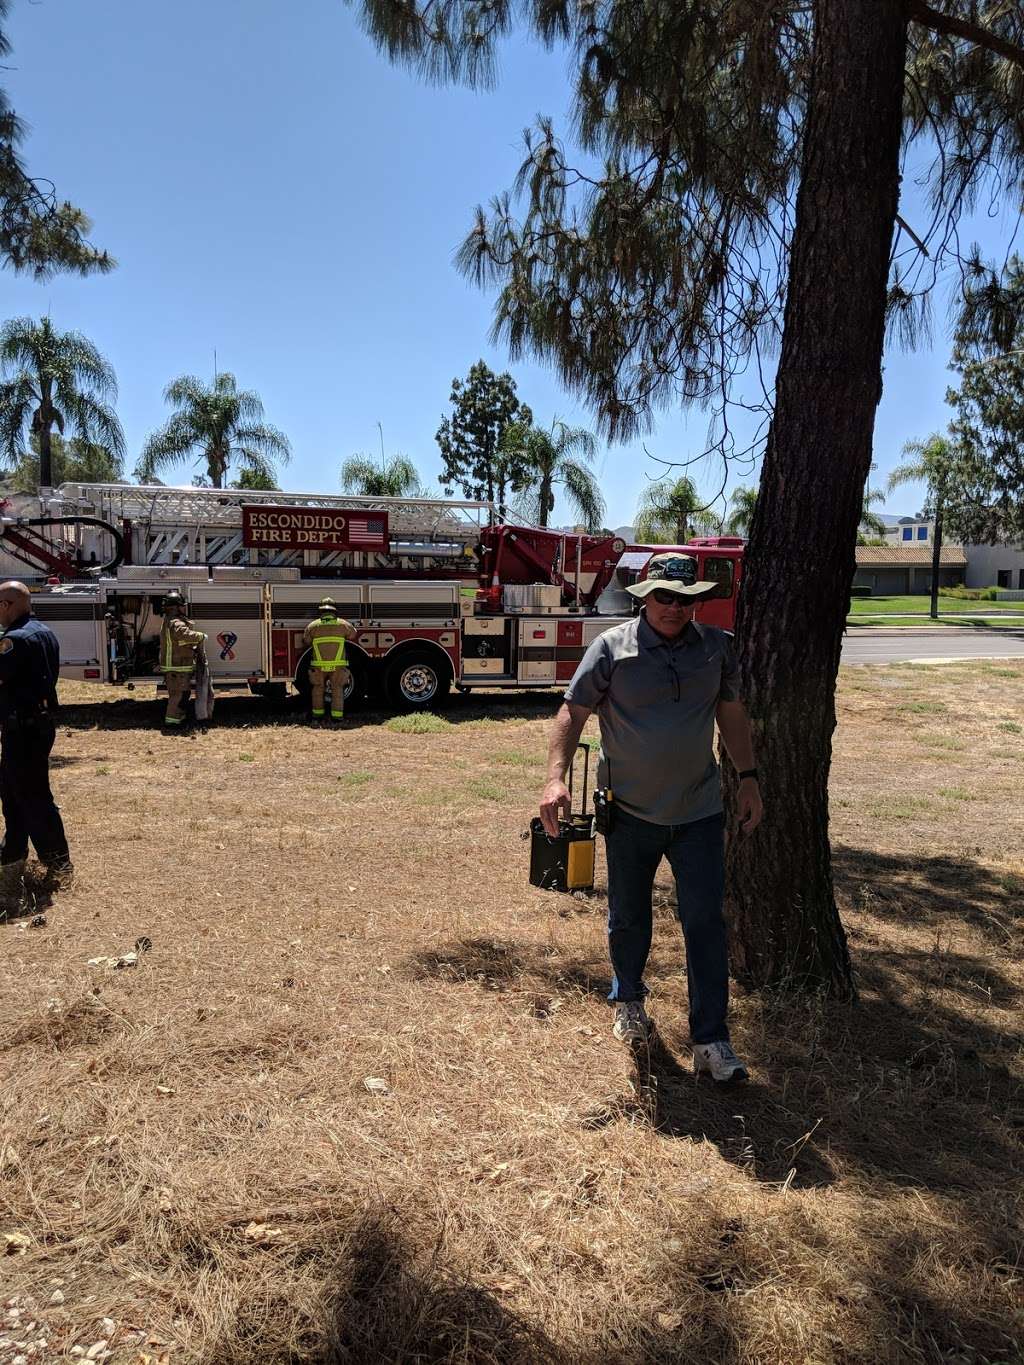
604 804
604 810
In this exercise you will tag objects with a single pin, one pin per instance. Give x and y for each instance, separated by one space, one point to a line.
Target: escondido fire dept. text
298 521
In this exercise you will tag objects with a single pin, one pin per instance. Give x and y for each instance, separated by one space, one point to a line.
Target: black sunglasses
664 598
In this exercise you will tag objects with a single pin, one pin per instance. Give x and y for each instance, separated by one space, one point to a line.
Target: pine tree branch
923 14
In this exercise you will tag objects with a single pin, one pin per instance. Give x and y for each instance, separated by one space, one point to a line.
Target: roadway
899 644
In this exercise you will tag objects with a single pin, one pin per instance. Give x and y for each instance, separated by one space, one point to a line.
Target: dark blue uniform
29 666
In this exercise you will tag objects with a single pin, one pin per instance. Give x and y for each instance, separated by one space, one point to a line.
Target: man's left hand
749 805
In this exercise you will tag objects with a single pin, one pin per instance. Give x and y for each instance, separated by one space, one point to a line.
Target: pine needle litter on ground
303 1070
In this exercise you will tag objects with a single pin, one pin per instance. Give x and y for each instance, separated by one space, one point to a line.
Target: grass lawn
867 606
988 622
358 1100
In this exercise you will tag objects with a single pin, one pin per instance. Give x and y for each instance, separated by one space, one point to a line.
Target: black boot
58 875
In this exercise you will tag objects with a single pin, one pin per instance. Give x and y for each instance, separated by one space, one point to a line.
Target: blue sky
276 192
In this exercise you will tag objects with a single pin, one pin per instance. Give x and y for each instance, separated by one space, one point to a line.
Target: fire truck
441 595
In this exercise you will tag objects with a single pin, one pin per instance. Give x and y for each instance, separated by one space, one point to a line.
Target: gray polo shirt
655 700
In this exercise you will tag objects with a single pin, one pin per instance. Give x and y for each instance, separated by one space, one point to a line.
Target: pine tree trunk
800 558
933 610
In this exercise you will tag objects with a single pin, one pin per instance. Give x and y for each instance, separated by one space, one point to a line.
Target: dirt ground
357 1100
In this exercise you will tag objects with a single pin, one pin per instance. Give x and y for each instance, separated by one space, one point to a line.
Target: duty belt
29 711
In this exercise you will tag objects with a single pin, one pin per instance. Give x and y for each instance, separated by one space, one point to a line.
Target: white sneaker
719 1061
631 1022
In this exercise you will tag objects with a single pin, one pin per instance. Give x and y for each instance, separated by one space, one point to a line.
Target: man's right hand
555 801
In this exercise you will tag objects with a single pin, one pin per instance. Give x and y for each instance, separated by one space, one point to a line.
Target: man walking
329 667
29 667
658 684
179 641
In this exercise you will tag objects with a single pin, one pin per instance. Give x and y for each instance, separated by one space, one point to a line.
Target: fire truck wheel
354 692
416 680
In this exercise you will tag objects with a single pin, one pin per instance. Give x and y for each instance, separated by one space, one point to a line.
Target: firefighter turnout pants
178 687
319 680
29 809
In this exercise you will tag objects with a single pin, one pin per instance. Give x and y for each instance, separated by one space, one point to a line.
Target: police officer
326 636
179 641
29 667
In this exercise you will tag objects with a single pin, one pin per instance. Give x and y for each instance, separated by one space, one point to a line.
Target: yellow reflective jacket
327 636
178 642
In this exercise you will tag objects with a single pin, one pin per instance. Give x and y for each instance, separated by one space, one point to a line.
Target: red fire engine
440 595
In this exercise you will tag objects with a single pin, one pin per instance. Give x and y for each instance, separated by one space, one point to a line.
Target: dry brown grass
193 1151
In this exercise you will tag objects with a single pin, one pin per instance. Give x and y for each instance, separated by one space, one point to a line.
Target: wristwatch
748 772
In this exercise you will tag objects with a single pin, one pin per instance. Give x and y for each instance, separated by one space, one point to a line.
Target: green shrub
971 594
860 591
967 594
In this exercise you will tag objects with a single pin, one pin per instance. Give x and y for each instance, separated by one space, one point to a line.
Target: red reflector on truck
92 673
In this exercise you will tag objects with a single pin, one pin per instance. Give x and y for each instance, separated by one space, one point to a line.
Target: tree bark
936 560
45 457
45 428
545 499
800 559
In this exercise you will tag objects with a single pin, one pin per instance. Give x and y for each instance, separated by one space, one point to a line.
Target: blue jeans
697 857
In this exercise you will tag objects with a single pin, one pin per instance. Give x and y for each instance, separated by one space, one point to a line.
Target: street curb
925 631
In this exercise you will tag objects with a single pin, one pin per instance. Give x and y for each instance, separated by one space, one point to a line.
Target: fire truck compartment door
537 640
412 604
294 605
233 617
488 646
76 618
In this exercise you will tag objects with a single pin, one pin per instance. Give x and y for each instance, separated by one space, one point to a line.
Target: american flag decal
368 532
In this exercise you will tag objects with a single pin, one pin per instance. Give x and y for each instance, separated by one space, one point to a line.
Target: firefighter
179 641
326 636
29 666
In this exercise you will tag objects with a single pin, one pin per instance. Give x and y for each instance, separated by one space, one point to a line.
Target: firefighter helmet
327 604
173 601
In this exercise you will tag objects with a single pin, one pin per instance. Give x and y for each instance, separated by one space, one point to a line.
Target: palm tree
930 462
549 458
743 502
669 512
870 524
218 424
54 380
394 478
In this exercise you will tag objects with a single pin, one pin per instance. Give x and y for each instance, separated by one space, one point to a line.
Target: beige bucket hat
674 573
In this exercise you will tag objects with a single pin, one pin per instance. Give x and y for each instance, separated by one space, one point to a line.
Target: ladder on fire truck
161 525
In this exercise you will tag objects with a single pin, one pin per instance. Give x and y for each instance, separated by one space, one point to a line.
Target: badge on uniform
6 646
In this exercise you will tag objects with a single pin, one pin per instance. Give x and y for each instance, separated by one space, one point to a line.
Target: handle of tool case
586 775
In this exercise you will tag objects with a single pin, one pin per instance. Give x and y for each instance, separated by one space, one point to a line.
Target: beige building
988 566
901 570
